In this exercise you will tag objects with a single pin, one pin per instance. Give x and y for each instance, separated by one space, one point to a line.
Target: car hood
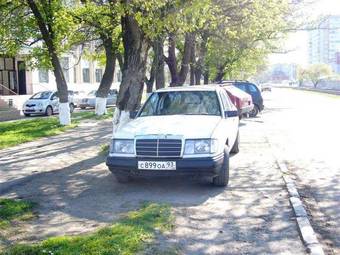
35 101
189 126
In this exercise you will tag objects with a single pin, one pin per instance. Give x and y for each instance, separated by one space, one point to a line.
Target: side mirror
231 114
133 114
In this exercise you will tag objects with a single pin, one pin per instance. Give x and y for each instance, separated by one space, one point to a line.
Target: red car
241 99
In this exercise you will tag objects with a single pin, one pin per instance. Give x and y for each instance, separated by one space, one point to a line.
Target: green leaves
245 34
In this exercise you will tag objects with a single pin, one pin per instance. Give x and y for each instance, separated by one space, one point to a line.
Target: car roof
44 91
210 87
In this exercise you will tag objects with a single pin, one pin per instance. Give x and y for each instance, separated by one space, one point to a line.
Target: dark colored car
252 90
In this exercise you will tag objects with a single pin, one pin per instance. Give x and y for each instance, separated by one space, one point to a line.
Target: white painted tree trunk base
120 118
64 114
101 106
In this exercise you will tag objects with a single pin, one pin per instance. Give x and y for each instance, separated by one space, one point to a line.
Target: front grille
159 147
30 105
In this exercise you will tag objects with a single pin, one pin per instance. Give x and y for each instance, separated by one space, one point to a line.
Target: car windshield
42 95
92 93
182 103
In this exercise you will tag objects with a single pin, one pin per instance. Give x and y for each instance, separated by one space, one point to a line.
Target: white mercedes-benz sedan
187 131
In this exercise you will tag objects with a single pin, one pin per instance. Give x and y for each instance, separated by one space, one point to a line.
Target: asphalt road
76 194
304 130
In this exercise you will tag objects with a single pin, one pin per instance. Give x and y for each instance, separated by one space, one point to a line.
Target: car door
230 123
55 102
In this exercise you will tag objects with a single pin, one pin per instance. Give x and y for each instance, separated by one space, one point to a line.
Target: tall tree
99 22
25 23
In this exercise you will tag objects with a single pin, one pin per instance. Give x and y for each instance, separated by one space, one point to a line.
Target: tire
71 108
27 114
236 148
253 113
49 111
122 178
223 178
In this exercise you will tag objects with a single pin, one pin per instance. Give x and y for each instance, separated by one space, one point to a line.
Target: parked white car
89 100
187 131
44 103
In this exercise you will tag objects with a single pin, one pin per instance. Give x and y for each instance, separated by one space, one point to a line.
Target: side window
252 88
150 106
54 96
241 86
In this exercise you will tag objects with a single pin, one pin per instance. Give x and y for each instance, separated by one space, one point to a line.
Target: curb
305 228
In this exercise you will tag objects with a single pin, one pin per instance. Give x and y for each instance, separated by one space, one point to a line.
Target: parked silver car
90 99
44 103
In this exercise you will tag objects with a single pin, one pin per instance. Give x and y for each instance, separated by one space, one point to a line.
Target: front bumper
33 111
208 166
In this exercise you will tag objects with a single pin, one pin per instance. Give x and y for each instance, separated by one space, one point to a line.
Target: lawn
132 234
14 210
21 131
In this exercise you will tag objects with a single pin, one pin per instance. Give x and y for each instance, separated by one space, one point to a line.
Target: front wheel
27 114
48 111
236 148
223 178
71 108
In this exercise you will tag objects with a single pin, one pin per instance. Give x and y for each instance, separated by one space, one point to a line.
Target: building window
99 75
65 66
86 75
9 64
2 64
43 76
75 74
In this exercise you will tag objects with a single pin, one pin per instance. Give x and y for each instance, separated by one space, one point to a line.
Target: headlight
202 146
122 146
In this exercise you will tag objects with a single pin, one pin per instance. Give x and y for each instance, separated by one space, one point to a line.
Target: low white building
18 81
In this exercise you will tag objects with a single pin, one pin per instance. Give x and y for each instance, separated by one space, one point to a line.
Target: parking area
76 194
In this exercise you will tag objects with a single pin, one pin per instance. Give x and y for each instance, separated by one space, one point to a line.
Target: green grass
21 131
131 235
14 210
91 115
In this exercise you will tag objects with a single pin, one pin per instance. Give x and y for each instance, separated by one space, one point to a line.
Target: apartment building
324 43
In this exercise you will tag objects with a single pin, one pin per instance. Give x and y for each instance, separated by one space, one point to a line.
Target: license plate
157 165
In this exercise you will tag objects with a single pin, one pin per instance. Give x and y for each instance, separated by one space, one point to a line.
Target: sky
297 43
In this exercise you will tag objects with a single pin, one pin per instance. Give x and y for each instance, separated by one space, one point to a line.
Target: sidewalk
22 163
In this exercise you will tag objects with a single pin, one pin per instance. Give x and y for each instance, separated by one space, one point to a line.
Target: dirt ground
76 194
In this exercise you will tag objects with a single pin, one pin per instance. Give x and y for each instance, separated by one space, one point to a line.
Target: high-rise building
324 43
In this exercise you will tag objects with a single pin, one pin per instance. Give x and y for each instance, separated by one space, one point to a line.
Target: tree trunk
149 82
206 77
159 68
200 64
134 68
172 61
220 74
188 47
192 64
47 35
178 78
107 79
